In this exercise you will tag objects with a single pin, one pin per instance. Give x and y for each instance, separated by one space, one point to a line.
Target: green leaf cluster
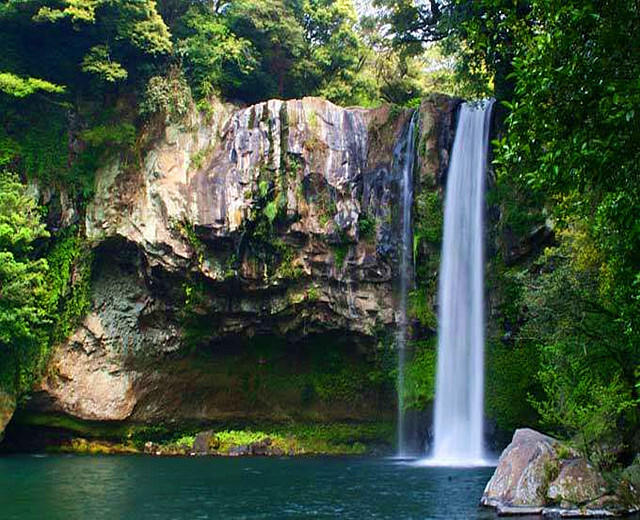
23 87
42 296
23 290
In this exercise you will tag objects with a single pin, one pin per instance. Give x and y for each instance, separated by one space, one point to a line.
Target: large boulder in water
537 474
521 478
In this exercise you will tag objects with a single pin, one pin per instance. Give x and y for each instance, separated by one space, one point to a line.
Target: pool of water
87 487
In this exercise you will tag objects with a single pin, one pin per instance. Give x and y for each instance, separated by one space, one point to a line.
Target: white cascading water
404 157
459 406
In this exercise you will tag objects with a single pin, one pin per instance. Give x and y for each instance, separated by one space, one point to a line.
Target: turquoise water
85 487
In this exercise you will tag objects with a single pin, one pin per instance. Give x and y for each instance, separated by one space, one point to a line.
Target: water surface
69 487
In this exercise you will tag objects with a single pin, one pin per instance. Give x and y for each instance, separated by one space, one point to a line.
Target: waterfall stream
460 378
404 158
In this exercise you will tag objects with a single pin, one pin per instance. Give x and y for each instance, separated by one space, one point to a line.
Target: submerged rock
537 474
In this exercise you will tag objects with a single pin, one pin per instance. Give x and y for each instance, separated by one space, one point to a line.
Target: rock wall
247 270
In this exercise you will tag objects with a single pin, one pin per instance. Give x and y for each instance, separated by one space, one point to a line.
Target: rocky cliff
246 270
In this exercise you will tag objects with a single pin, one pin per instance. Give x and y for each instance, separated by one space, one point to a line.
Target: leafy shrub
580 403
367 227
120 135
169 95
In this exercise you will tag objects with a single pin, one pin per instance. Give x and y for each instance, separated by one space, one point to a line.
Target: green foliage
427 234
334 52
340 252
185 440
271 211
195 324
277 38
286 257
312 294
135 21
367 227
20 222
42 298
421 307
250 50
23 318
582 153
294 439
69 283
197 159
580 403
121 135
429 219
420 375
98 61
168 95
39 142
564 331
510 379
260 49
344 385
103 37
215 59
521 210
23 310
23 87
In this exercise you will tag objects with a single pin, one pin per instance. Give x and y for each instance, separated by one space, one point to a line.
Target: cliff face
247 271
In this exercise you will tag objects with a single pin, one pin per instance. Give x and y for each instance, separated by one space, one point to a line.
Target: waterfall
460 379
404 158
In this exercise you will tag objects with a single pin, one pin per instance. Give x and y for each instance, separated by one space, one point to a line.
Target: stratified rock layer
245 253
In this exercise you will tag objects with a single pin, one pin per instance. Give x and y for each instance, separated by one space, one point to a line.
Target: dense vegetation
568 337
80 79
569 152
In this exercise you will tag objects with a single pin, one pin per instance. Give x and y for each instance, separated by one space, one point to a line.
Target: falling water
404 157
460 379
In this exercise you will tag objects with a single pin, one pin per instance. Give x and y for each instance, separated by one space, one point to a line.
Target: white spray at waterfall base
459 403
